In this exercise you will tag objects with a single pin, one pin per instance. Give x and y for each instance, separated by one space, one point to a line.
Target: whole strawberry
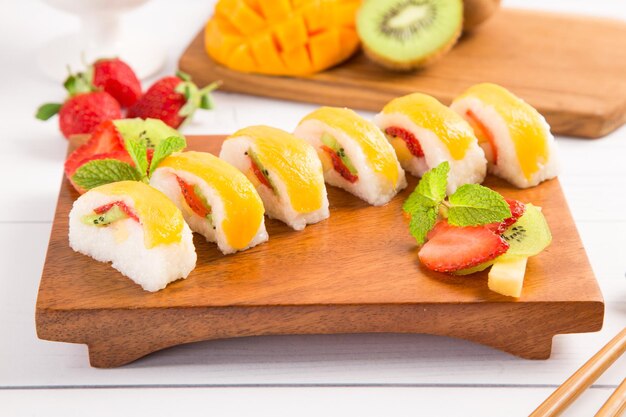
84 108
116 78
173 99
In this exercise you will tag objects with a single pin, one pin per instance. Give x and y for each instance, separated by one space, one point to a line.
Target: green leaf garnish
104 171
422 221
434 182
474 205
138 151
165 148
430 191
470 205
46 111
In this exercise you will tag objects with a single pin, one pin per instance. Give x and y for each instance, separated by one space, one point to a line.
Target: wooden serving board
356 272
572 69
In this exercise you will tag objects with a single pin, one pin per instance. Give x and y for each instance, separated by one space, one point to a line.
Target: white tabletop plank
289 402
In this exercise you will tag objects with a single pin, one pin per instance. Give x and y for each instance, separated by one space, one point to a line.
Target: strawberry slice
484 133
453 248
76 160
259 173
517 210
105 138
409 138
339 166
193 200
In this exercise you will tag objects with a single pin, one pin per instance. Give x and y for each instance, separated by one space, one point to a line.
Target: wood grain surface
570 68
356 272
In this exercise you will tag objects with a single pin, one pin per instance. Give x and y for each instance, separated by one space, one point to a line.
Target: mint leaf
422 221
165 148
138 151
430 191
104 171
416 201
434 182
474 205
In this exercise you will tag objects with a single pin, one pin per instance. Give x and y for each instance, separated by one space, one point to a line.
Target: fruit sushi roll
425 133
515 137
355 154
217 200
285 171
137 228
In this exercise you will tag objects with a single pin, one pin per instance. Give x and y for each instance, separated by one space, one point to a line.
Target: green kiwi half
152 131
408 34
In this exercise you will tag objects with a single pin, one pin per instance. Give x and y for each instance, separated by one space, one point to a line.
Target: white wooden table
282 375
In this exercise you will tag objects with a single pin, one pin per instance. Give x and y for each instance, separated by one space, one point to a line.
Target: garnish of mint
103 171
470 205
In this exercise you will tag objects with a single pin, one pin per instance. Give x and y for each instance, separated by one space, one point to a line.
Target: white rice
122 244
277 206
371 187
508 166
164 180
471 169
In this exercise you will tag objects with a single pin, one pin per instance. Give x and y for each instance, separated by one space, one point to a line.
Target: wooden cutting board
356 272
572 69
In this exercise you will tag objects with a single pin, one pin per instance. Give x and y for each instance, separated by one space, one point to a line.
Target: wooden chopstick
615 406
564 395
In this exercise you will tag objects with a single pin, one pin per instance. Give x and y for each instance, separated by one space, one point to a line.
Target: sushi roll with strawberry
515 137
216 199
425 133
285 171
136 228
355 154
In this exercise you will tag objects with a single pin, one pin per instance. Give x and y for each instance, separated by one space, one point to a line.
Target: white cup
99 37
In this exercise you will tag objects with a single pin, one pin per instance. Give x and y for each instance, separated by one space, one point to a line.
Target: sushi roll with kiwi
515 137
136 228
355 154
285 171
425 133
216 199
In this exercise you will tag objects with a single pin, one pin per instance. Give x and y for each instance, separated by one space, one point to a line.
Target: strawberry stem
46 111
183 75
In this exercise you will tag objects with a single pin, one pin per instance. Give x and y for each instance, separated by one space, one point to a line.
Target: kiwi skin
416 64
475 12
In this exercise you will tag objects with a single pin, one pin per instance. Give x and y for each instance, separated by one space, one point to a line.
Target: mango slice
282 37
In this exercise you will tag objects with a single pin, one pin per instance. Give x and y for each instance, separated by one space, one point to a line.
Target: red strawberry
517 210
83 110
172 99
453 248
82 113
76 160
116 78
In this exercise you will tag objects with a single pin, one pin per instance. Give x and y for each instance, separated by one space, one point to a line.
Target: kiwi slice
152 131
529 235
332 143
408 34
112 215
